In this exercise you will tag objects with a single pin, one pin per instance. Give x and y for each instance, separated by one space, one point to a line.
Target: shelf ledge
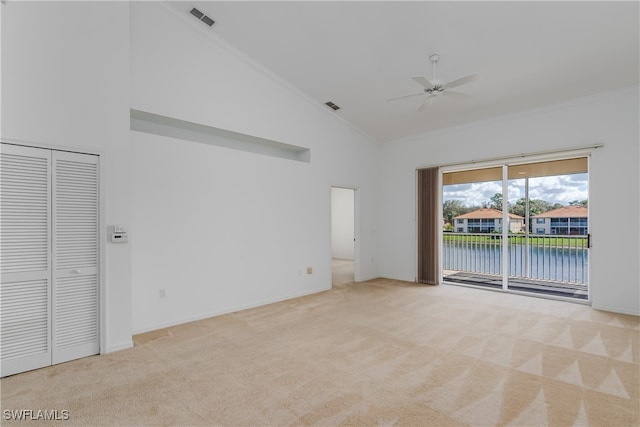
156 124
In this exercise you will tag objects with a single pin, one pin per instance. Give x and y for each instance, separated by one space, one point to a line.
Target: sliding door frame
505 163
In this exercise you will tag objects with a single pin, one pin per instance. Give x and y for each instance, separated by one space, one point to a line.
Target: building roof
486 213
565 212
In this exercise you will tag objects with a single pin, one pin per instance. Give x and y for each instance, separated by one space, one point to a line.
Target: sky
561 189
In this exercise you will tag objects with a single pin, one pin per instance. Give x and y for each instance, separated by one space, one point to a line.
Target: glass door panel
534 241
472 217
549 253
518 231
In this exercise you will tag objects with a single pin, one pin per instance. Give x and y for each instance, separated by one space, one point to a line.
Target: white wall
342 224
611 119
222 229
65 84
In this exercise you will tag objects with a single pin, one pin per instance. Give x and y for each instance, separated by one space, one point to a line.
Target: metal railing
558 258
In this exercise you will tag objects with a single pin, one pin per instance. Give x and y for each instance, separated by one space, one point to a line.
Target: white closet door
25 259
75 256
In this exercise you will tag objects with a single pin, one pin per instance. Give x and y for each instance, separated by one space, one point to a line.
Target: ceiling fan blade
428 102
405 96
453 94
462 80
423 82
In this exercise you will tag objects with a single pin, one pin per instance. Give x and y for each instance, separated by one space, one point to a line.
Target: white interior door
25 259
48 257
75 256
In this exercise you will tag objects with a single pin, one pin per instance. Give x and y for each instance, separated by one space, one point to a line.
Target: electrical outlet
163 293
309 270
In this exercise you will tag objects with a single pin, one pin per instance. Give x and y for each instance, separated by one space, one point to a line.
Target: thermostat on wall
119 234
119 238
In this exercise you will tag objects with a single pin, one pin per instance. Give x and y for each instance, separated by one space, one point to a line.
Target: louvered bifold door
25 258
75 256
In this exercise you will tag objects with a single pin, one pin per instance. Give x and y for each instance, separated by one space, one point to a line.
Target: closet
49 257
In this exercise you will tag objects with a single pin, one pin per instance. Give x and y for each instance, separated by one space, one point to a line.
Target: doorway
343 248
519 227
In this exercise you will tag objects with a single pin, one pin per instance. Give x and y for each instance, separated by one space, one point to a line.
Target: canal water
559 264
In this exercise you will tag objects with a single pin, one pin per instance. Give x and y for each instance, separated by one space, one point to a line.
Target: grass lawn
534 240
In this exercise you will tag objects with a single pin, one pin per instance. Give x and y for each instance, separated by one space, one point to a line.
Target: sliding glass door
472 250
549 242
534 240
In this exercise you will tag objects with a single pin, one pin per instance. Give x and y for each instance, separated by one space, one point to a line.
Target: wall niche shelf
156 124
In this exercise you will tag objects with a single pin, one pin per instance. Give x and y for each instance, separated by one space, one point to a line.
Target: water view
555 263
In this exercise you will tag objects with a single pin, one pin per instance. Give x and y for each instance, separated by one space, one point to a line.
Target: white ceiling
359 54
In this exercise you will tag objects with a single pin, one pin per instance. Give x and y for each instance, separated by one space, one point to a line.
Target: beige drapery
428 209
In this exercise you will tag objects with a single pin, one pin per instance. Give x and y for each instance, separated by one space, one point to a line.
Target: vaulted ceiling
359 54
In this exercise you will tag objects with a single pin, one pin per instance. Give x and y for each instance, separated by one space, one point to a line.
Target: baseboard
366 278
221 312
117 347
401 279
615 309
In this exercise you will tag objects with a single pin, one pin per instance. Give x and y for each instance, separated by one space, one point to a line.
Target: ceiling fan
436 87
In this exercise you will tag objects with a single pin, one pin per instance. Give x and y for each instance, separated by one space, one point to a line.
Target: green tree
494 203
536 207
519 207
452 209
584 203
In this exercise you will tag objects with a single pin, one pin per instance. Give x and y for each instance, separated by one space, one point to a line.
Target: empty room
175 178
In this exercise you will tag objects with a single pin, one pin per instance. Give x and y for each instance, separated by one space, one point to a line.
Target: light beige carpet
376 353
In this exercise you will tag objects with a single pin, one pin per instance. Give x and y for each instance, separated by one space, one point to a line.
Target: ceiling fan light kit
435 87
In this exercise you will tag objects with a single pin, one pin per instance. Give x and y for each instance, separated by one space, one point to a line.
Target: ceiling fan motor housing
435 87
438 86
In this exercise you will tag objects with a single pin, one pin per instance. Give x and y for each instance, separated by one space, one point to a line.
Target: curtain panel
428 209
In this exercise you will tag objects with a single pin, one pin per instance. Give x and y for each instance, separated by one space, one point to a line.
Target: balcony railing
557 258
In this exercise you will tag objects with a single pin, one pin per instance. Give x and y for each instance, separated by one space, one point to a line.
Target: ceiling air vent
332 105
208 20
202 17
